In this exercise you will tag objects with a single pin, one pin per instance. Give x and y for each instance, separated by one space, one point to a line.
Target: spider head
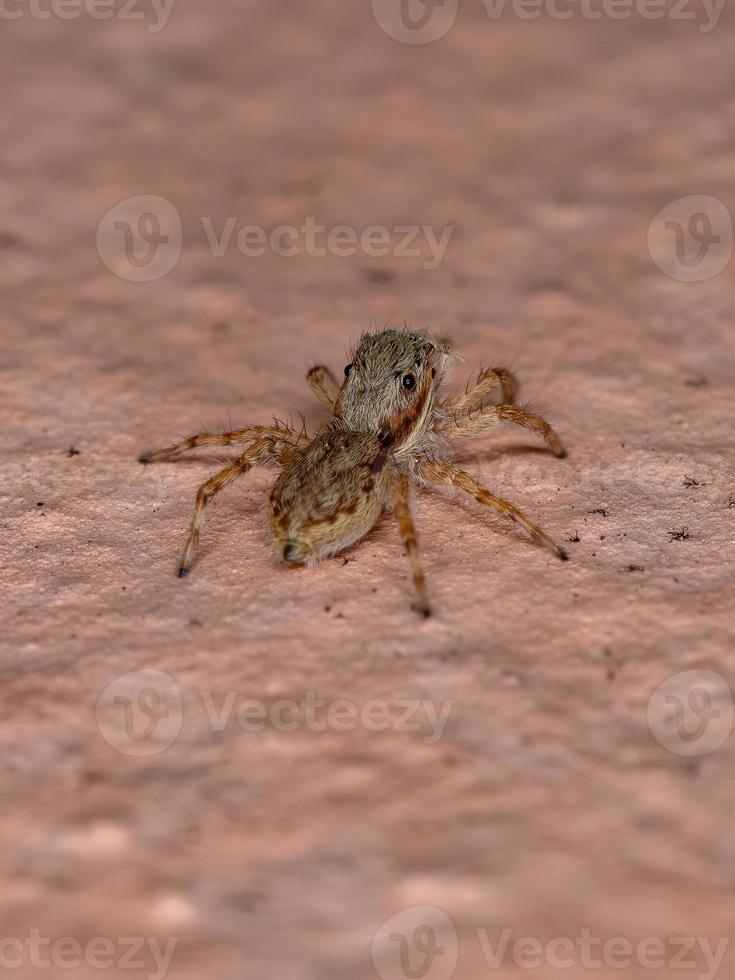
390 385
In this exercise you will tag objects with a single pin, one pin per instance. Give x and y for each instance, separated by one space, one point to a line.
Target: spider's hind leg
242 436
211 488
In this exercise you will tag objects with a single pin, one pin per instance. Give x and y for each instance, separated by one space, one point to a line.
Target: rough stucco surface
546 806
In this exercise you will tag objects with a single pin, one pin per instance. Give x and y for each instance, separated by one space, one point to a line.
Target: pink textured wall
546 804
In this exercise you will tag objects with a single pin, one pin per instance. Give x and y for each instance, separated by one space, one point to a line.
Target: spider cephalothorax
390 426
390 386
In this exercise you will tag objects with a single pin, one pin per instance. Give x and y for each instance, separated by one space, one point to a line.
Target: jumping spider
390 427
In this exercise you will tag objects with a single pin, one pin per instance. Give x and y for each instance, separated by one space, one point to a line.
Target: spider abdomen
329 495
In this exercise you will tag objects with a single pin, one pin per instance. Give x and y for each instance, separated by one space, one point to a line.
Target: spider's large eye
408 381
347 370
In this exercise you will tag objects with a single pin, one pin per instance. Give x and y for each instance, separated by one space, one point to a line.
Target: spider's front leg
488 382
440 473
324 385
400 494
486 417
253 432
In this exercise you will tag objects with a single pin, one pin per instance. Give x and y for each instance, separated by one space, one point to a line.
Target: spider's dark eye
347 370
408 381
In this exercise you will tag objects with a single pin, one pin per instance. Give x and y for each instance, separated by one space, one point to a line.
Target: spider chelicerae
391 426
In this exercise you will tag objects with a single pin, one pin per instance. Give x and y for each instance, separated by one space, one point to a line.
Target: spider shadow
497 455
